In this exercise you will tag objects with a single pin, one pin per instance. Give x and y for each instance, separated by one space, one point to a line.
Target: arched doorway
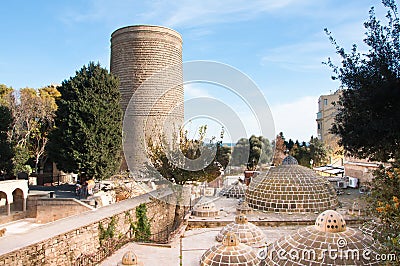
3 203
18 200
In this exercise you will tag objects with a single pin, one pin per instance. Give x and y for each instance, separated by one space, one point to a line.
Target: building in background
361 169
327 111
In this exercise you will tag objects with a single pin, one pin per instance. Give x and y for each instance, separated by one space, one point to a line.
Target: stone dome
328 242
206 209
246 232
230 252
289 160
236 190
243 208
291 188
330 221
130 258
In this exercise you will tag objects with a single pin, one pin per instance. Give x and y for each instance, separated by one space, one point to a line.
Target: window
325 102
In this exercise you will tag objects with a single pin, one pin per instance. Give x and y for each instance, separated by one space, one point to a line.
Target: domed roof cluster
291 188
246 232
230 252
236 190
328 242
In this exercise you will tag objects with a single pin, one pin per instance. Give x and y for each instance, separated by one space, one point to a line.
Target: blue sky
279 44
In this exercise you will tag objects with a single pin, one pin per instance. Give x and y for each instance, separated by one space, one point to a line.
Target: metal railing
108 247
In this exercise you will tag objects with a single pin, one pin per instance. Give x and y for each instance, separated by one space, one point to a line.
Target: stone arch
18 200
3 203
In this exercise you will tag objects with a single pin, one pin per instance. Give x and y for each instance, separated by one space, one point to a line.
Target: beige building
359 168
325 118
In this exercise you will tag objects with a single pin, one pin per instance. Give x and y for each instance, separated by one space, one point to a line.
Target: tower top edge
146 28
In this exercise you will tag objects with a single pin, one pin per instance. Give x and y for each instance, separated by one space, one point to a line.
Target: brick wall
137 53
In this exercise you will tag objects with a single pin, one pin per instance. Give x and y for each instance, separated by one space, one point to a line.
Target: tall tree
267 152
368 122
240 154
255 152
6 149
5 94
318 152
289 144
252 151
88 133
44 123
280 149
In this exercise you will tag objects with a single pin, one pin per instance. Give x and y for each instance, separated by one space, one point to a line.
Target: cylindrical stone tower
148 61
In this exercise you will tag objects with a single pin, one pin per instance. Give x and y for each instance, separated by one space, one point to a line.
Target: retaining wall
63 241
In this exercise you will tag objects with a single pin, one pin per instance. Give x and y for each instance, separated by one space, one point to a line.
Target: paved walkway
20 226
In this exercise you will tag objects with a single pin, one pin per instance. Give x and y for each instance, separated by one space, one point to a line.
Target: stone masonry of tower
148 61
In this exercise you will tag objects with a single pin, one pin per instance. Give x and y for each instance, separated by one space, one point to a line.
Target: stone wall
50 210
32 202
63 241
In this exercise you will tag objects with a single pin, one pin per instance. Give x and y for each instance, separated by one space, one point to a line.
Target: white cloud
180 13
196 13
296 119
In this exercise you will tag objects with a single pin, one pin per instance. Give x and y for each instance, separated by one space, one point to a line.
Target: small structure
236 190
246 232
206 209
230 252
13 195
243 208
249 175
291 188
130 258
328 242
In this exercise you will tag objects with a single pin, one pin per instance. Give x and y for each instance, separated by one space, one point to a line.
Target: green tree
5 94
252 151
318 152
88 133
34 116
180 171
368 122
384 203
256 146
171 166
302 153
289 144
240 152
267 152
44 123
6 149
